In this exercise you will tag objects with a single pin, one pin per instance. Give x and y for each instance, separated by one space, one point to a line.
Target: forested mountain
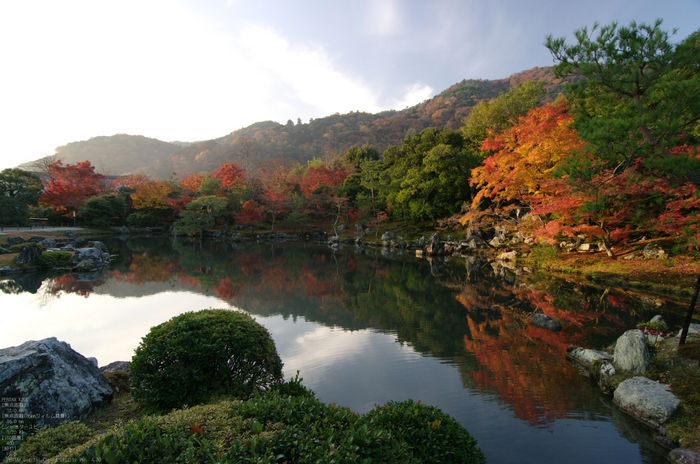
117 154
262 142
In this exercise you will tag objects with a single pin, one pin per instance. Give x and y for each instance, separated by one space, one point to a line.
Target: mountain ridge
267 142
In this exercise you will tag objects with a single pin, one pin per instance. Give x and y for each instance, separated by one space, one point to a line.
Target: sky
191 70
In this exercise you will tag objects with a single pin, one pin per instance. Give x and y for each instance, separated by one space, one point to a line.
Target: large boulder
649 401
632 352
28 255
90 259
386 236
51 381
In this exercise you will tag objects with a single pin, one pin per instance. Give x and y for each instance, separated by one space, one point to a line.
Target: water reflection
364 329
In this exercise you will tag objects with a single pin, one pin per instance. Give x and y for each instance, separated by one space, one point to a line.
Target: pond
365 327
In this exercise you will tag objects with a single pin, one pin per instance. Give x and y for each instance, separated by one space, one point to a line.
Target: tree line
615 157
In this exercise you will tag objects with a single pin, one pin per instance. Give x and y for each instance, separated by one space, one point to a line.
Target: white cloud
76 70
413 95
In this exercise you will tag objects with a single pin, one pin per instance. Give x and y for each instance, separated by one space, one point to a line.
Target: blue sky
194 70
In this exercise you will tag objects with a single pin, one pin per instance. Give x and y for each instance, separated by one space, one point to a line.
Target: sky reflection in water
424 338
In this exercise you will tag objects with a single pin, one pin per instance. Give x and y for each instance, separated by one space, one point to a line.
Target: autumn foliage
70 186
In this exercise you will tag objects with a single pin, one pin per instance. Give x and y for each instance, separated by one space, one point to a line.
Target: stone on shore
683 456
586 357
649 401
545 322
632 352
90 259
51 382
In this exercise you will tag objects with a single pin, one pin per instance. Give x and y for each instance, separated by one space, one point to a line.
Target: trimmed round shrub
197 356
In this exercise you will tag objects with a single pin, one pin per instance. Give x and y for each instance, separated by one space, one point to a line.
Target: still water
364 328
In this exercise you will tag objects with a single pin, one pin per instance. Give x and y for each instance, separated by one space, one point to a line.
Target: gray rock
14 240
28 255
649 401
4 251
116 366
607 370
632 352
37 239
545 322
421 241
53 382
341 227
49 243
587 357
99 245
683 456
693 329
90 259
388 236
123 230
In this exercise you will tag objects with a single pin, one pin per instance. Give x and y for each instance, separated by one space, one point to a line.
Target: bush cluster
50 259
197 356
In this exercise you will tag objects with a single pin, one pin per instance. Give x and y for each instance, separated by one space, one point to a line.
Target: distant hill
263 142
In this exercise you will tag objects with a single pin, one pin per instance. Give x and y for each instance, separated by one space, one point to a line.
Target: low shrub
197 356
52 259
48 442
273 428
431 435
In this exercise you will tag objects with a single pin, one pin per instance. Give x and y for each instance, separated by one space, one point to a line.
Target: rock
341 227
654 251
607 370
693 329
450 238
508 256
69 234
388 236
51 381
649 401
632 352
48 243
36 239
4 251
545 322
496 242
123 230
586 357
99 245
28 255
435 247
421 242
116 366
90 259
683 456
14 240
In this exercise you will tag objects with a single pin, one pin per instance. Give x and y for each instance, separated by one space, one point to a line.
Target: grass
679 367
